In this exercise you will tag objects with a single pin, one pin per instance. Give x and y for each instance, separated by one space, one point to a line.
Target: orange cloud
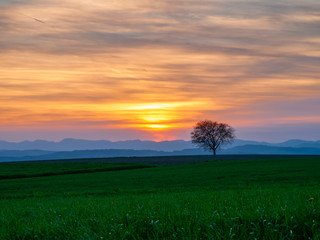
156 67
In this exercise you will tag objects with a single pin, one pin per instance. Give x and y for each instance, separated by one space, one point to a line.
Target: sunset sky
142 69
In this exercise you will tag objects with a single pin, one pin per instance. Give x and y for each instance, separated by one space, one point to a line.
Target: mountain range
79 148
71 144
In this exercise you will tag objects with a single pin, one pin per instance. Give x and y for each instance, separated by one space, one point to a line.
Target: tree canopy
211 135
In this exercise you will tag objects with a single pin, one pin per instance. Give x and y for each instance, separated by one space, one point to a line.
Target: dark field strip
30 170
175 160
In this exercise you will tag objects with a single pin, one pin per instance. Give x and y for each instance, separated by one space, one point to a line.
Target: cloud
235 58
280 132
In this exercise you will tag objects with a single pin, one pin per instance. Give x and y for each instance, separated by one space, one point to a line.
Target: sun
158 126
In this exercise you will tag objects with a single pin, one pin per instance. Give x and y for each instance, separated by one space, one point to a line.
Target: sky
142 69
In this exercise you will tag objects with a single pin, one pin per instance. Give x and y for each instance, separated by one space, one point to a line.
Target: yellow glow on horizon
160 116
159 106
158 126
151 106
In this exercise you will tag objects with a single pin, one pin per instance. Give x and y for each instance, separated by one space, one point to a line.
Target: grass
241 199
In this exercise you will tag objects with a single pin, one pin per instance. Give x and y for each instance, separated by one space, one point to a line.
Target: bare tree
211 135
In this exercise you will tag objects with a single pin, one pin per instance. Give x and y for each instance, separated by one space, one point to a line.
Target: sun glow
153 119
158 126
159 106
160 116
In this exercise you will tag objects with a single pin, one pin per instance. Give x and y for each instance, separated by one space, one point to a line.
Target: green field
234 199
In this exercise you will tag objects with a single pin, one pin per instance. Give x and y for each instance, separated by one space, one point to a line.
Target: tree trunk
214 154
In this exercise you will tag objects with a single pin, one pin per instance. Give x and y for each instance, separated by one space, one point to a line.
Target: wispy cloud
238 60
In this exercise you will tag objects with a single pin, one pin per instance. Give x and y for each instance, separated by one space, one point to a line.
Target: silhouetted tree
211 135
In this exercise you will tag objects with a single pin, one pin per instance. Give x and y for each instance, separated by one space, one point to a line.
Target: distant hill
6 156
76 148
70 144
19 153
98 153
262 149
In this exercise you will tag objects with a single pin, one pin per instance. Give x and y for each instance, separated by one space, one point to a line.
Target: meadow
276 198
